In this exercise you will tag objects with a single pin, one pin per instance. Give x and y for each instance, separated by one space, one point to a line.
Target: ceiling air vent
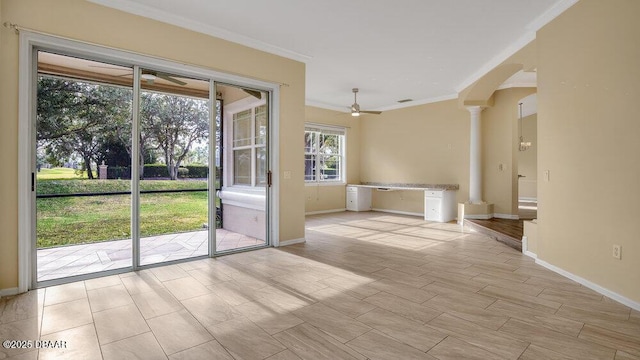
404 100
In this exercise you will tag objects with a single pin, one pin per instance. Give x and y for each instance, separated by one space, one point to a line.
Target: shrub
119 172
198 171
155 170
183 172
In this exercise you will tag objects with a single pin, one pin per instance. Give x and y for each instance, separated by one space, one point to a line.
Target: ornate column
475 159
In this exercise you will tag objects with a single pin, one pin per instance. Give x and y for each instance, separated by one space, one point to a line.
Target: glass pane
242 128
174 167
309 142
330 169
309 167
261 166
83 145
330 144
261 125
242 167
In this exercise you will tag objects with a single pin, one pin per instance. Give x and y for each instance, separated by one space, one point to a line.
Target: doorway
528 158
128 167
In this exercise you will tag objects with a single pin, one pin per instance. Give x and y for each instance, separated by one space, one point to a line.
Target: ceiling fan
147 75
355 108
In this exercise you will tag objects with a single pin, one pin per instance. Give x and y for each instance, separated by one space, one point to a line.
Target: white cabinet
439 205
358 198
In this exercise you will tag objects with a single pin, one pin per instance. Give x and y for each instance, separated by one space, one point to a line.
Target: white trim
528 199
346 110
9 292
180 21
292 241
418 102
478 216
530 254
320 212
550 14
506 216
514 47
593 286
26 212
273 200
399 212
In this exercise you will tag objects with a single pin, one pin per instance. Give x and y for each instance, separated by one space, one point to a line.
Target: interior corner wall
319 198
419 144
528 159
499 150
588 133
88 22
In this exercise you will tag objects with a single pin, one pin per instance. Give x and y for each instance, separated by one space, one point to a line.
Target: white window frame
330 130
248 103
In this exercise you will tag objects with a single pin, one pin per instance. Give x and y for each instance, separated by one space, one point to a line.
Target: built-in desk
439 199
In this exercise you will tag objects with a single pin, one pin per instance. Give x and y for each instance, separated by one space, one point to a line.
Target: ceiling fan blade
169 78
255 93
370 112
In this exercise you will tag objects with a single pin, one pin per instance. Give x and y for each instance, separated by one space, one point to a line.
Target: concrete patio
64 261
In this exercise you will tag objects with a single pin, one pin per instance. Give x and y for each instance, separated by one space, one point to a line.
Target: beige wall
96 24
500 147
588 133
528 160
320 198
421 144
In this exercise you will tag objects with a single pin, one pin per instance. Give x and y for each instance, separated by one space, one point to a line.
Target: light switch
546 175
286 174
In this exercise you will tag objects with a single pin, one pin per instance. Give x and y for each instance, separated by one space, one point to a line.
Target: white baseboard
606 292
292 241
478 216
528 199
325 211
8 292
506 216
400 212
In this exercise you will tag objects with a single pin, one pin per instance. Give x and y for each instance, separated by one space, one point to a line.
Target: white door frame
26 127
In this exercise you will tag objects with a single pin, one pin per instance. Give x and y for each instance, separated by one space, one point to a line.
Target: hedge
160 171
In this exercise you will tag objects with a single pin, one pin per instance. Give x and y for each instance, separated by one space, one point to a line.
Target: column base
474 211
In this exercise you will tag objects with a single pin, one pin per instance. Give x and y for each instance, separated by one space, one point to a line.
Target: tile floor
364 285
65 261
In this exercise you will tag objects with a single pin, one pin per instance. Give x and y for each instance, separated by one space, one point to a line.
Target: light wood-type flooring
364 285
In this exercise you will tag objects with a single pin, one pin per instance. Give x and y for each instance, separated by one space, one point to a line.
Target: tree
80 119
175 123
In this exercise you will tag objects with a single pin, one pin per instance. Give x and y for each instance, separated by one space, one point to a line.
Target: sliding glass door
174 162
81 177
136 166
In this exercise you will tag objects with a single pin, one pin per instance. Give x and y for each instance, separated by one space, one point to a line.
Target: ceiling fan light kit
355 108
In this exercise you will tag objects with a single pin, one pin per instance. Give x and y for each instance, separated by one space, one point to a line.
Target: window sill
244 197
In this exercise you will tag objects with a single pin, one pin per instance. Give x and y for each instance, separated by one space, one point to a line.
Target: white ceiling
425 50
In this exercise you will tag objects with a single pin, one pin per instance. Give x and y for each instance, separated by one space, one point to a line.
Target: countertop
407 186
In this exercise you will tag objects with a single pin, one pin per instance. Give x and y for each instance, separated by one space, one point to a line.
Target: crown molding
180 21
525 39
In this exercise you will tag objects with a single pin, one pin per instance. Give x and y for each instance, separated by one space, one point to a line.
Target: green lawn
61 173
86 219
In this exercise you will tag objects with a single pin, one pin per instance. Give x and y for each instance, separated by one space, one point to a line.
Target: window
249 147
324 154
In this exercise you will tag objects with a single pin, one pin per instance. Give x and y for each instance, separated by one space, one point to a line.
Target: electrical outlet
617 252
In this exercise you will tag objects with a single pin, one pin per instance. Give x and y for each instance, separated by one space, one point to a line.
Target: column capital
474 109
